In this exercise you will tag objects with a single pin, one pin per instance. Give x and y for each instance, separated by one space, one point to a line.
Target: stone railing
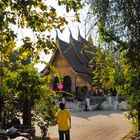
107 103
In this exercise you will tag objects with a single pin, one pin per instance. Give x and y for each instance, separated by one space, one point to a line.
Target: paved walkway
96 125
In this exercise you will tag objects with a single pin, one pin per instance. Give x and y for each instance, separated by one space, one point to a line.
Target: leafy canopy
36 15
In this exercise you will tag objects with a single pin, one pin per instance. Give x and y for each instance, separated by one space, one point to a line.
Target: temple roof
74 53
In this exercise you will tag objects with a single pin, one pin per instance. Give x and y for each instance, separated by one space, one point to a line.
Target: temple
72 63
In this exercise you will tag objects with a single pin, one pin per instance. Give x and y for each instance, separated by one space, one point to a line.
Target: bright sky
64 36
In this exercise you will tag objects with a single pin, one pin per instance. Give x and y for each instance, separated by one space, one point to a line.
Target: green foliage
25 87
104 66
71 5
119 28
9 105
36 15
45 113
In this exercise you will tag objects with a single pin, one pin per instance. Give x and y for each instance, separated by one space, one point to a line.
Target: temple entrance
81 92
55 82
67 84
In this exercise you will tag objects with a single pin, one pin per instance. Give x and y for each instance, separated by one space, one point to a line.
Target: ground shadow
47 138
88 114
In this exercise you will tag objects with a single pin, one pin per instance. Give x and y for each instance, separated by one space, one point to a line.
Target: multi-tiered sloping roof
74 53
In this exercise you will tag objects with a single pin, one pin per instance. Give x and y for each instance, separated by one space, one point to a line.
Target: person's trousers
65 134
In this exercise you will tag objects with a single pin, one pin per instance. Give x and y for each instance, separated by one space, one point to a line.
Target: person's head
62 106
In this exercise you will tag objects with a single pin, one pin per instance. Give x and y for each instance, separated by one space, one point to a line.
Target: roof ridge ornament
70 37
79 35
57 37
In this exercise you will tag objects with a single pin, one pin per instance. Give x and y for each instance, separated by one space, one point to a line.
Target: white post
88 104
110 101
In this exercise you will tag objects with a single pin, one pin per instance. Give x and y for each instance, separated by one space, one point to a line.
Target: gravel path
96 125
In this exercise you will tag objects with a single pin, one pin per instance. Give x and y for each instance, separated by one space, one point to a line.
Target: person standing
64 122
64 100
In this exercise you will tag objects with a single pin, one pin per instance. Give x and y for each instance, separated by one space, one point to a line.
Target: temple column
73 79
73 83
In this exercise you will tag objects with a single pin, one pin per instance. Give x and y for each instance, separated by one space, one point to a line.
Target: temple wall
80 81
62 66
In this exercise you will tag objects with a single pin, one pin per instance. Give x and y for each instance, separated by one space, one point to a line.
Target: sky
73 26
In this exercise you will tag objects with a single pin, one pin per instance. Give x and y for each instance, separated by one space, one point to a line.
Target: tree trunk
1 107
27 113
138 116
1 78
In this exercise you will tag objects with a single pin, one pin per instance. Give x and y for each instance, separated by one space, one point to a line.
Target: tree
119 27
35 15
103 64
